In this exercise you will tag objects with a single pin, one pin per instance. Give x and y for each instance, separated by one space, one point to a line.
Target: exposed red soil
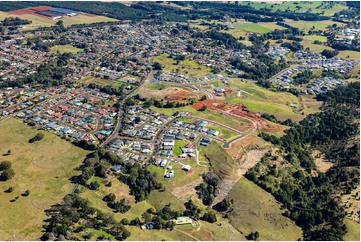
31 10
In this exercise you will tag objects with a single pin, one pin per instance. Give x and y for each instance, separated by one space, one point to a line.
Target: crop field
44 168
42 21
186 67
257 210
65 48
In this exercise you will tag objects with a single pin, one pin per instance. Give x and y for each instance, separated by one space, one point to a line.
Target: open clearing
43 168
258 99
186 67
65 48
349 54
257 210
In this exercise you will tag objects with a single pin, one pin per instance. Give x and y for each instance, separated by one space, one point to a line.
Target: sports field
44 168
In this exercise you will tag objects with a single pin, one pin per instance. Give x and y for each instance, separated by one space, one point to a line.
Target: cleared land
43 168
65 48
258 99
186 67
257 210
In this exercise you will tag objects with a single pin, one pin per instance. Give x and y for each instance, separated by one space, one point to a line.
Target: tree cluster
140 181
6 172
37 137
311 200
75 215
207 189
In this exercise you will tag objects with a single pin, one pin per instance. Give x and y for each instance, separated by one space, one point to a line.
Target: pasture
315 25
257 210
298 6
44 168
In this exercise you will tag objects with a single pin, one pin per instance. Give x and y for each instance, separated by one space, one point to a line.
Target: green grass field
65 48
349 54
186 67
160 199
177 147
299 7
314 47
38 21
221 163
43 168
258 99
307 25
257 210
223 132
241 27
158 86
353 230
315 37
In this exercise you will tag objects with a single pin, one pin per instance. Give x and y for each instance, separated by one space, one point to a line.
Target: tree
7 174
203 108
94 185
157 66
5 165
124 221
210 217
60 23
26 193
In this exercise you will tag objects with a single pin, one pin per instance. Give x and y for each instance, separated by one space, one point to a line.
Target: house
183 220
117 168
186 167
149 226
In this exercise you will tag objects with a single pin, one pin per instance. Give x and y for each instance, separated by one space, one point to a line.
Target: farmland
257 210
43 168
41 21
